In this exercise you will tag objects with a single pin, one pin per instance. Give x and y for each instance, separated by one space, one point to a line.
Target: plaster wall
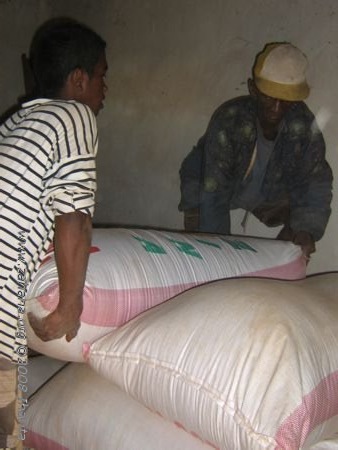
171 63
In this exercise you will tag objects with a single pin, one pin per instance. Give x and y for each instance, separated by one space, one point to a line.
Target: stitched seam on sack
236 414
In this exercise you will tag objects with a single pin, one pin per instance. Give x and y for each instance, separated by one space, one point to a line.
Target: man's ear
252 87
77 79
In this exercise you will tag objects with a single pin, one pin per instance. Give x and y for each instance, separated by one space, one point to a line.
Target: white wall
171 63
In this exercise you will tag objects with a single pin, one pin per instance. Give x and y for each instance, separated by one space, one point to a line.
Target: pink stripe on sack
86 351
319 405
293 270
114 307
195 435
39 442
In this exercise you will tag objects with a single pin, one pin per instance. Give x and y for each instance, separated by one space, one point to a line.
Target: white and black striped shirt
47 168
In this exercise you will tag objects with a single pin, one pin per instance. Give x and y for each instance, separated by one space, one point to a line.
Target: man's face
95 86
270 110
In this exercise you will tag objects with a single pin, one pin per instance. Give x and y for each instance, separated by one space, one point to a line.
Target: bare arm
72 245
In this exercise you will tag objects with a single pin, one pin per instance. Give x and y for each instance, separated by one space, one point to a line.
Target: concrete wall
171 63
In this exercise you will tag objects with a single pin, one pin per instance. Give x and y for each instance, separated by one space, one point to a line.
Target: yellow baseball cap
279 72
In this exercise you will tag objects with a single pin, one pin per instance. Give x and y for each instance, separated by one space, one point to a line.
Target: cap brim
289 92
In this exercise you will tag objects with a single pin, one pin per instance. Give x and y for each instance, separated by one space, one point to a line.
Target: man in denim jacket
263 153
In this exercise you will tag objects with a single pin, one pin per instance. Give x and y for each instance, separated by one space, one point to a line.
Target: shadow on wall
29 89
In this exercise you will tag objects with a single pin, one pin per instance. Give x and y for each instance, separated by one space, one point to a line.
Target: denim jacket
213 173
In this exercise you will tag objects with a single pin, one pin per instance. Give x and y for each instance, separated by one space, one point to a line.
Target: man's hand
306 241
72 245
191 219
58 323
273 214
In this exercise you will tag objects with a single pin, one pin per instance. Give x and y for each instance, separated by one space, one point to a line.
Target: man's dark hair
58 47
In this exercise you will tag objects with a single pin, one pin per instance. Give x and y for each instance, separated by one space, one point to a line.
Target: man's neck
270 132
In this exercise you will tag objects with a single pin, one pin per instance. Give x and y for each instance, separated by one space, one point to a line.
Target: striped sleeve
70 182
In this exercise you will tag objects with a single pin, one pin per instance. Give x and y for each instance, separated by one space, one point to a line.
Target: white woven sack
327 444
247 364
79 410
132 270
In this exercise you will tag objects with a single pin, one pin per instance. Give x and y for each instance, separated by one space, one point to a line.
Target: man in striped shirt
48 184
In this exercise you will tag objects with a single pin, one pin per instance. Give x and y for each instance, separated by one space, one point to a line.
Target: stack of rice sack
239 364
244 364
80 410
132 270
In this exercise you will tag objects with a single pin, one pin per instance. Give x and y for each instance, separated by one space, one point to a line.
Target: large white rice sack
327 444
80 410
132 270
246 364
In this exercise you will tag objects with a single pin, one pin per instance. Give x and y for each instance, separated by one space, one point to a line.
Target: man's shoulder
236 102
301 122
235 106
57 105
301 111
55 110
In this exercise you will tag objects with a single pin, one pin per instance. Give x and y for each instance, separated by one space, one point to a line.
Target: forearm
311 208
214 213
72 245
311 190
191 178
